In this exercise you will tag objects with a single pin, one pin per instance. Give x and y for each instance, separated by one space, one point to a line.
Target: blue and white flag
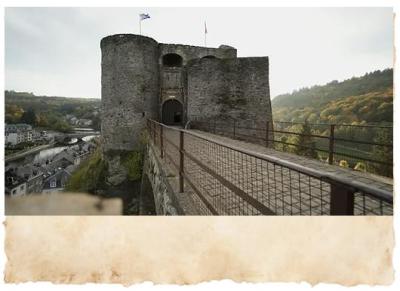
144 16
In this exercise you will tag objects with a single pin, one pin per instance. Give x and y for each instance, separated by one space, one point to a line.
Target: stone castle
175 84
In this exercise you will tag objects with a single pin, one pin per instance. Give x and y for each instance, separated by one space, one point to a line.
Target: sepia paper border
188 250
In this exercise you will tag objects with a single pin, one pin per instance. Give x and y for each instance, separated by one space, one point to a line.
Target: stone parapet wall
156 182
188 52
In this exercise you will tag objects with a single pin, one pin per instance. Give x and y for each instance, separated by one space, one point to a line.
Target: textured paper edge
188 250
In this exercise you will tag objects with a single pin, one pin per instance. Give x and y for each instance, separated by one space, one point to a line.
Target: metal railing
332 143
226 180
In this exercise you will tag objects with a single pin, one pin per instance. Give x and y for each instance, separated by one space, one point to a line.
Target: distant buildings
33 177
14 185
85 122
17 133
72 120
50 176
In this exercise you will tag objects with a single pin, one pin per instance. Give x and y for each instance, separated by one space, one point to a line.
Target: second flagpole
205 34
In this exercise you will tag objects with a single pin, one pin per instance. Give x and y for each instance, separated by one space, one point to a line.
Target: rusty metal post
267 135
342 200
234 128
331 144
161 141
181 161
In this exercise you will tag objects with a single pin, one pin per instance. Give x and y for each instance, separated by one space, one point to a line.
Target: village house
65 158
56 180
33 177
85 122
18 133
14 185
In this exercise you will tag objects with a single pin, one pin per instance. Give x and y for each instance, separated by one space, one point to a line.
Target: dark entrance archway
172 112
172 60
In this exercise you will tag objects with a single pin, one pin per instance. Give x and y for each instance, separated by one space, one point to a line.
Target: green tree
61 125
41 120
305 143
96 123
29 117
13 113
383 153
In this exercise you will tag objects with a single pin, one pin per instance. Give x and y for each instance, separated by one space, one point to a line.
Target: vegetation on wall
133 163
90 176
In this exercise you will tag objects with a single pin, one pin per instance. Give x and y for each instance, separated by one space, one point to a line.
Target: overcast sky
56 51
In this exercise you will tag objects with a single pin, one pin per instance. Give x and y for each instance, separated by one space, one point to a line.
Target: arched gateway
172 112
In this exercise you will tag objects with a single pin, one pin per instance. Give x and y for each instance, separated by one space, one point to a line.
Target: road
23 154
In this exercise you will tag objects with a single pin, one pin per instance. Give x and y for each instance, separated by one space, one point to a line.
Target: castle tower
174 83
130 89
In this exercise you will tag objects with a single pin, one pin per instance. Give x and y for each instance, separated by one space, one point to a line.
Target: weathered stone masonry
174 84
156 183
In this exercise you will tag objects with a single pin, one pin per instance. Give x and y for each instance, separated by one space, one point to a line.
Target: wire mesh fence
225 180
367 148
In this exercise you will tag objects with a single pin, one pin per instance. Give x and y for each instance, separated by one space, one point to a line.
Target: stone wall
173 80
222 89
133 79
130 88
156 183
131 66
188 52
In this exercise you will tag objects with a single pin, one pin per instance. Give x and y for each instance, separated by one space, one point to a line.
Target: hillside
49 112
366 99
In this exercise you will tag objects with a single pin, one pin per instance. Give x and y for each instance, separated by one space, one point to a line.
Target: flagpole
205 34
140 26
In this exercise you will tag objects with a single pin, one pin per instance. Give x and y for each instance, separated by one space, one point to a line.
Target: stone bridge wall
156 185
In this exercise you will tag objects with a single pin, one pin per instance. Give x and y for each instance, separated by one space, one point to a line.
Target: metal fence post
181 161
342 200
267 135
331 144
161 141
234 128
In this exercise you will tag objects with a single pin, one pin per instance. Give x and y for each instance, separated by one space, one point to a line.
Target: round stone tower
129 89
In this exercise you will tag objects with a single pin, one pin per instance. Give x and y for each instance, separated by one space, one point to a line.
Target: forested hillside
366 99
359 102
49 112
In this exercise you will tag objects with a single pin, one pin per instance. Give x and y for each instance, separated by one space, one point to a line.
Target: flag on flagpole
144 16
